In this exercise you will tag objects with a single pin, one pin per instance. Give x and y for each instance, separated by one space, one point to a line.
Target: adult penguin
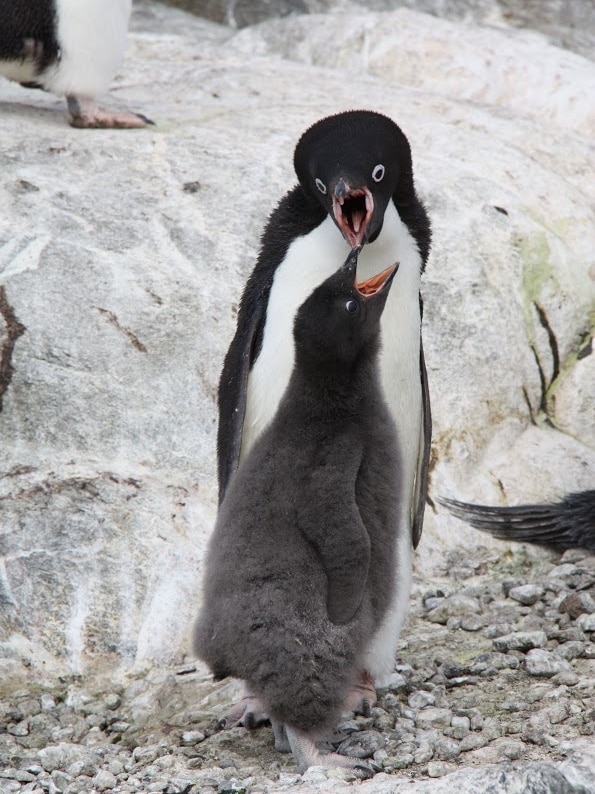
355 188
562 525
68 47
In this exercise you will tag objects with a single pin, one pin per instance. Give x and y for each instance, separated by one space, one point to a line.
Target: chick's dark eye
351 306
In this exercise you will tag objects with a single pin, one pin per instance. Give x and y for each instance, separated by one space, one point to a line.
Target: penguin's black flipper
343 545
563 525
423 462
293 216
233 386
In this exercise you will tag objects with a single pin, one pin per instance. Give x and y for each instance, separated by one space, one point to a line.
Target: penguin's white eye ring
351 306
320 185
378 173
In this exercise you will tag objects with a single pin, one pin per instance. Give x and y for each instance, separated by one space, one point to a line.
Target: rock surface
122 257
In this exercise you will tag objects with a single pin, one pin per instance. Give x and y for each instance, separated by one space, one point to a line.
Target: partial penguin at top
355 188
71 48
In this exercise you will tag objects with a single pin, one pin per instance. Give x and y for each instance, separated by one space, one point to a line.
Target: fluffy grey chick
300 567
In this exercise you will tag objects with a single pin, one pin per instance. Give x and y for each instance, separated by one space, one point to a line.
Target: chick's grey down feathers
300 567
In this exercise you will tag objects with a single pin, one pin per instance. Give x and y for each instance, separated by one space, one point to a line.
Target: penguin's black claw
144 118
366 769
220 725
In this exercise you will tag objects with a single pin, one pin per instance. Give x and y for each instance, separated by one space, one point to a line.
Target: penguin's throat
353 213
374 284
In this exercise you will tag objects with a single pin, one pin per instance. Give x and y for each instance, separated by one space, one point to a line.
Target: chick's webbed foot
306 754
84 113
248 713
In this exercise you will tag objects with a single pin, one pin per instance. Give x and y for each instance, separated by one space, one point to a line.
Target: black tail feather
562 525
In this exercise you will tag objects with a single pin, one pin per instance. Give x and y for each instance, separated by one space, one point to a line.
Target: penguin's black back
28 31
314 503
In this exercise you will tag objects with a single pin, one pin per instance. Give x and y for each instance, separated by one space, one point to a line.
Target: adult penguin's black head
354 163
342 316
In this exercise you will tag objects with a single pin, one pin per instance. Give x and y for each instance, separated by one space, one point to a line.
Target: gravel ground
497 666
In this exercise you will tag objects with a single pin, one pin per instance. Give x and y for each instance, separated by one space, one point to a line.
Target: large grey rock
569 23
122 258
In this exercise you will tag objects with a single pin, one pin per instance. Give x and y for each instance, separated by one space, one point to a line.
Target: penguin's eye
378 173
320 185
351 306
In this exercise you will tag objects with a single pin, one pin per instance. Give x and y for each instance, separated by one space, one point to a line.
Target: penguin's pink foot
84 113
362 695
306 754
248 713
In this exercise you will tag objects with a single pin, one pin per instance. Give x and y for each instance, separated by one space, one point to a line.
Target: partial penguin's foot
84 113
362 695
281 741
306 754
248 713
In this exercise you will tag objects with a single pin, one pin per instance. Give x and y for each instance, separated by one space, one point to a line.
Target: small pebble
453 606
520 641
540 662
586 622
527 594
439 768
420 699
104 780
362 744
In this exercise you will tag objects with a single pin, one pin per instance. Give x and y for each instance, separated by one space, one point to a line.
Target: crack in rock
13 329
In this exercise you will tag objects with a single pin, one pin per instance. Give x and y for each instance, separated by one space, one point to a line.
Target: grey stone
454 605
61 756
192 737
362 744
433 718
61 779
539 662
113 701
394 683
576 604
420 699
47 702
571 650
520 641
446 749
9 786
586 622
527 594
472 623
439 768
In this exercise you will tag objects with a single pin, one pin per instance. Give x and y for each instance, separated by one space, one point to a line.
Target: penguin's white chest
309 261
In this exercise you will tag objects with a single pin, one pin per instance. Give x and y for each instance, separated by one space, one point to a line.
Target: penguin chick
564 525
299 570
68 47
